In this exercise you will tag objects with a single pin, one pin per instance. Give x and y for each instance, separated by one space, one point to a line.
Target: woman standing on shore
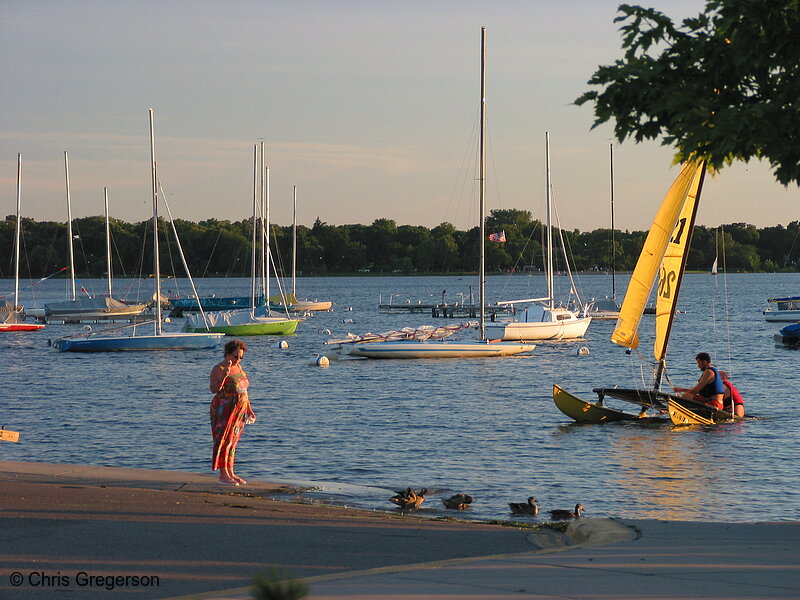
230 410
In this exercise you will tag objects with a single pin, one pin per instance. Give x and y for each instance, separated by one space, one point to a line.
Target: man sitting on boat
710 388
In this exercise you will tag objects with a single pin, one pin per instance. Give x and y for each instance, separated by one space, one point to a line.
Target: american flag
498 237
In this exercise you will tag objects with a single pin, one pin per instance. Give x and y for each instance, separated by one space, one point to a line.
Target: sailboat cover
83 306
662 256
9 315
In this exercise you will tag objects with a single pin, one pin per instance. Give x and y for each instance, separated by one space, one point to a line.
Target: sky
370 108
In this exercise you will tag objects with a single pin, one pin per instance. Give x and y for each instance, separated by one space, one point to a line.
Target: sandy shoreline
63 523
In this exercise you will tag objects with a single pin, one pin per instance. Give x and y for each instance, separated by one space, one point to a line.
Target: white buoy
87 327
326 332
583 351
320 361
282 344
347 321
349 308
167 320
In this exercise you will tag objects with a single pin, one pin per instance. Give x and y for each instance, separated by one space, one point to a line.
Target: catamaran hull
412 349
287 327
688 412
539 330
169 341
587 412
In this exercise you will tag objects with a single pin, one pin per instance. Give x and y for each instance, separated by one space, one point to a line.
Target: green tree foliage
724 85
222 248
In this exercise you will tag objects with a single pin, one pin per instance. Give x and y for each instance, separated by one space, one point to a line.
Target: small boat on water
242 322
12 316
786 309
604 309
663 259
294 303
789 336
97 308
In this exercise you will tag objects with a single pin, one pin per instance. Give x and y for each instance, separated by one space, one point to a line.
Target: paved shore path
70 531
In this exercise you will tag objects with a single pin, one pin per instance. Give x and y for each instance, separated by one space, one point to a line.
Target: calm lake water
488 427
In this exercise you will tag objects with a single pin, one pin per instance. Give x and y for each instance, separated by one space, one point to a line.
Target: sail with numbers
663 258
674 262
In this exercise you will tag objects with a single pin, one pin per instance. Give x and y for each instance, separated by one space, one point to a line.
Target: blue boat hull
169 341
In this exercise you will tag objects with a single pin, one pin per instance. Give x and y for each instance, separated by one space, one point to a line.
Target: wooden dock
446 311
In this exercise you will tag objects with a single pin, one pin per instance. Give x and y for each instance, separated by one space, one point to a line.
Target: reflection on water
361 428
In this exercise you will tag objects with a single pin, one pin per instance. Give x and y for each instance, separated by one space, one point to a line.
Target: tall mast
266 238
613 246
108 239
17 232
294 240
263 228
156 264
482 186
549 224
69 229
253 262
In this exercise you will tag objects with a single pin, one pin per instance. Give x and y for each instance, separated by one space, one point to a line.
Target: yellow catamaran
662 260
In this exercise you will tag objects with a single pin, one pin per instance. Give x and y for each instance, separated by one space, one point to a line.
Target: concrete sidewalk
65 522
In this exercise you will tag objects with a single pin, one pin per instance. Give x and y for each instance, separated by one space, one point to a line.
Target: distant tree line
223 248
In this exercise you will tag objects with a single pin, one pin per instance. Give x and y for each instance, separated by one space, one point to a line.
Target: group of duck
411 499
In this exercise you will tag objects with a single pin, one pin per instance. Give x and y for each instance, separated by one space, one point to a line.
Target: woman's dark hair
234 345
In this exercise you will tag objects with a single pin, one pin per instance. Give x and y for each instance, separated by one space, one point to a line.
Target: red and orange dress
229 409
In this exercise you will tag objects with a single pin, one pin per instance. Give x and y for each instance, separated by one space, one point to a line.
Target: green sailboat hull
286 327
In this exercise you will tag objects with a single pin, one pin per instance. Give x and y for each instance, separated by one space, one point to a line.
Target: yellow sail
655 246
672 266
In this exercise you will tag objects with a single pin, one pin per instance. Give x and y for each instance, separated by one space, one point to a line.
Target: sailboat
608 308
662 260
301 304
12 317
252 320
548 321
428 347
95 308
109 341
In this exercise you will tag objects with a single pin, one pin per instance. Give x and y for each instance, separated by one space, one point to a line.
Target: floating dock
446 310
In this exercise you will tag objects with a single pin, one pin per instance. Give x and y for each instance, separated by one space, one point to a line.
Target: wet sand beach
101 532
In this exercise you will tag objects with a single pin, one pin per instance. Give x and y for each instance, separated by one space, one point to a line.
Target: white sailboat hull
435 349
304 305
537 323
782 315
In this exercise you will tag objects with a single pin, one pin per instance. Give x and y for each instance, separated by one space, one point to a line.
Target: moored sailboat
252 320
427 348
542 321
12 316
662 261
95 308
608 307
294 303
109 341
